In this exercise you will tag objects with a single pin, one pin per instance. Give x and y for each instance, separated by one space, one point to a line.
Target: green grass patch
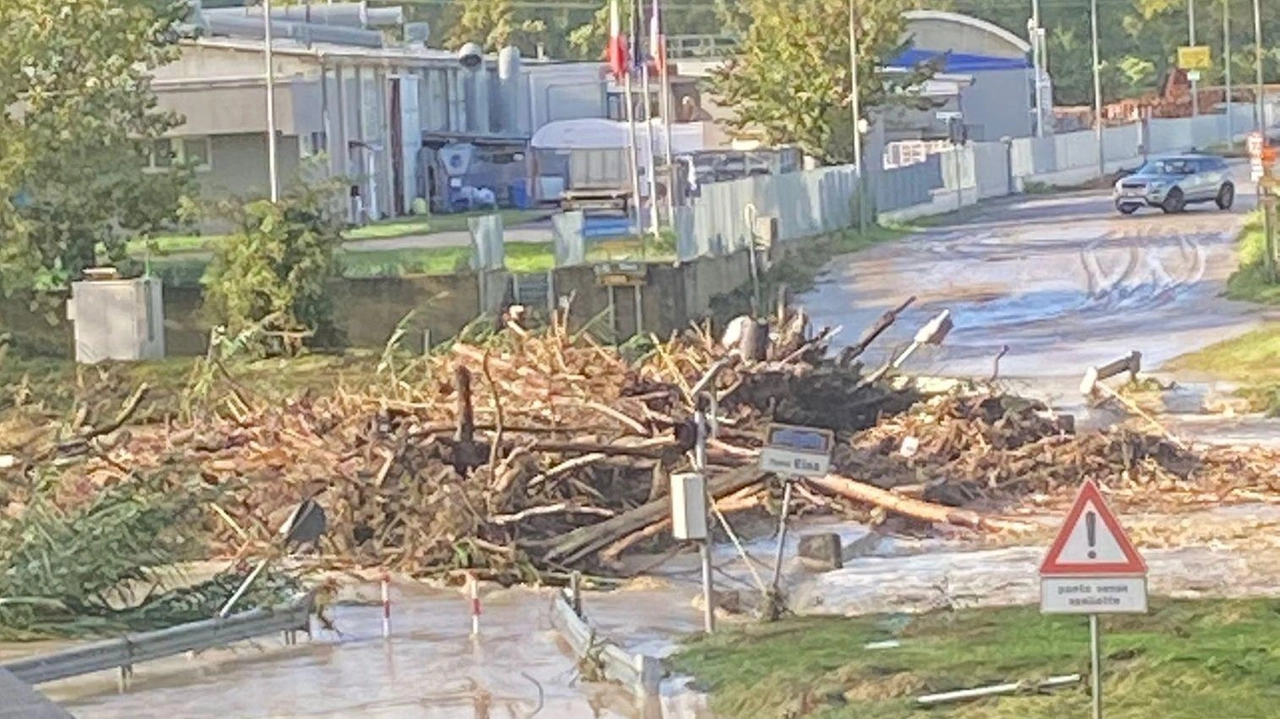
53 387
409 226
1250 283
383 230
1186 660
186 271
1252 359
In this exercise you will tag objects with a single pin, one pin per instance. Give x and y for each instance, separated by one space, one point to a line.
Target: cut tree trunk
918 509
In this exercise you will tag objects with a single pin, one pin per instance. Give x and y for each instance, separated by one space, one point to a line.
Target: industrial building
360 87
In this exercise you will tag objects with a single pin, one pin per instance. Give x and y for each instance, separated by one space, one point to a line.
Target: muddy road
1064 281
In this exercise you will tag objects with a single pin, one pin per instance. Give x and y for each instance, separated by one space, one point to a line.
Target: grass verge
1186 660
186 271
383 230
1252 359
43 388
1250 282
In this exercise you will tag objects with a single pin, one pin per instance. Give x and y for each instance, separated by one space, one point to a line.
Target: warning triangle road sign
1091 542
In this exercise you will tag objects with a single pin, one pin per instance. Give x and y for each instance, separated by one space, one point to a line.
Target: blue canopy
958 62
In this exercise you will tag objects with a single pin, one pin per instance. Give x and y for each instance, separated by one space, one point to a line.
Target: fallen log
575 545
915 508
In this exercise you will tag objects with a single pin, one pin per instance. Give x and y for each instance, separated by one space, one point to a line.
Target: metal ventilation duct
251 28
351 14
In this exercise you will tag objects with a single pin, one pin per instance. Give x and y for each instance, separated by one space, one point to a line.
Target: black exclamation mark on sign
1091 528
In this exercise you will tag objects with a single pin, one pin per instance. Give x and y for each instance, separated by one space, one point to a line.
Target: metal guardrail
133 649
638 672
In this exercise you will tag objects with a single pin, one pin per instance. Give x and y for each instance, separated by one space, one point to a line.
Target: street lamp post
1261 119
1226 69
1037 62
1191 32
1097 88
272 171
857 117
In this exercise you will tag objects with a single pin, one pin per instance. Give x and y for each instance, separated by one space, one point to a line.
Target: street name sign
794 451
1092 567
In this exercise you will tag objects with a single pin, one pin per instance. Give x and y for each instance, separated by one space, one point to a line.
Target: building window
195 152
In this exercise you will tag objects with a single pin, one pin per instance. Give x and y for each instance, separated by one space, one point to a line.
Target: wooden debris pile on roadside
954 449
539 452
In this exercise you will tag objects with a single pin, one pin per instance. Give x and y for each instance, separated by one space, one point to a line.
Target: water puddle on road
433 669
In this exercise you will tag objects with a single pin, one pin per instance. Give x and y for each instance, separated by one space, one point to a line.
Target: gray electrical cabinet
117 319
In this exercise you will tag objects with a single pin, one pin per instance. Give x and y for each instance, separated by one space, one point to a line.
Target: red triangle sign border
1053 565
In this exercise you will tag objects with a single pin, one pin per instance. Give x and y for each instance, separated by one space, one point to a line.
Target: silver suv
1172 183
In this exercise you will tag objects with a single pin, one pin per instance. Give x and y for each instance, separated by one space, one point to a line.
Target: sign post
1092 568
792 452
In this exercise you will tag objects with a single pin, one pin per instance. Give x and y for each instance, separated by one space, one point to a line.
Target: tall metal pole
1191 32
857 116
1095 661
652 156
1097 87
1037 61
1259 90
664 106
633 154
704 547
273 176
1226 69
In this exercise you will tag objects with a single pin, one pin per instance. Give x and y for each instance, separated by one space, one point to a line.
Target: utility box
117 319
688 506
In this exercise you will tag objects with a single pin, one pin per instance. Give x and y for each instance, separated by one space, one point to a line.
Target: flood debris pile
957 448
536 452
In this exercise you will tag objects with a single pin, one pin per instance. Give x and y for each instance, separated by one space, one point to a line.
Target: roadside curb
638 672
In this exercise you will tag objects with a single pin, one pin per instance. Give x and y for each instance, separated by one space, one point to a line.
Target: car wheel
1226 196
1174 201
1127 209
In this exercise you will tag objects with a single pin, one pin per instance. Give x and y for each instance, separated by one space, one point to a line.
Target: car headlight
1156 186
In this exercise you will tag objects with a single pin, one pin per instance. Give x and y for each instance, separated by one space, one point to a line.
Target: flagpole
659 38
631 146
620 67
652 168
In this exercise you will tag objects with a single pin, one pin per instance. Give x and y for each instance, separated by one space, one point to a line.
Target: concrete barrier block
821 551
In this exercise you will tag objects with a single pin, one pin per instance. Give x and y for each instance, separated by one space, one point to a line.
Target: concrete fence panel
1121 143
991 168
900 187
1074 149
804 203
1168 135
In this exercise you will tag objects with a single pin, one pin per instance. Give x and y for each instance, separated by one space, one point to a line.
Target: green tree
494 24
77 120
791 79
272 272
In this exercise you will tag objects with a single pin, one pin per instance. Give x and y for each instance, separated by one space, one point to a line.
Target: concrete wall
900 187
238 106
368 311
804 204
238 166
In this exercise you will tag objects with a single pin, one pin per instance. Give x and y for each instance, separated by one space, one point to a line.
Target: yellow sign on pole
1194 57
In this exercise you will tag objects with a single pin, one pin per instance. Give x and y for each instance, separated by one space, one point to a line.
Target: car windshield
1177 166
